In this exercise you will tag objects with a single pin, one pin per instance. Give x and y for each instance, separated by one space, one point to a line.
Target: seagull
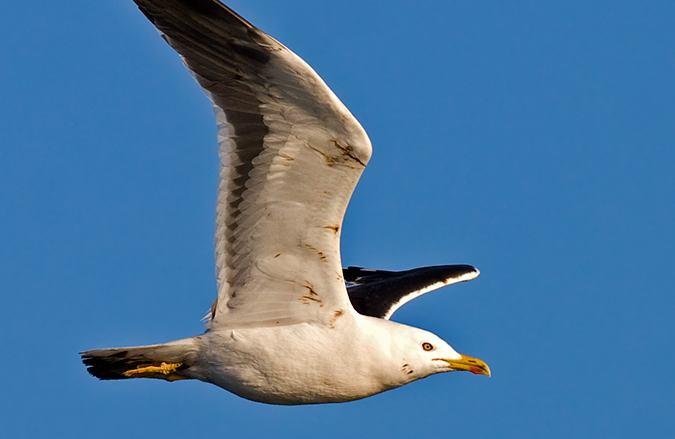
289 325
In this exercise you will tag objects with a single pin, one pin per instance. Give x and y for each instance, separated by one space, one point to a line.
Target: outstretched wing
291 155
379 293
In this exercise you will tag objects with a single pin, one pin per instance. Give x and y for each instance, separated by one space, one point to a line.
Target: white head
421 353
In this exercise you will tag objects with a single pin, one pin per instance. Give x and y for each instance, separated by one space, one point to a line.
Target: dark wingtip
209 8
457 271
437 272
378 293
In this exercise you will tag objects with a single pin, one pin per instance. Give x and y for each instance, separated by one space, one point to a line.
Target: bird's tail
170 361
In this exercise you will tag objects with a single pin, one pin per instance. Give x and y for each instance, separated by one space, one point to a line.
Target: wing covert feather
291 154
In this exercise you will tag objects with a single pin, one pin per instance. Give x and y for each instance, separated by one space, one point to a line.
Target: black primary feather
378 293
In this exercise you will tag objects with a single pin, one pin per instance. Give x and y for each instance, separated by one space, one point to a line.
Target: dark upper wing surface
379 293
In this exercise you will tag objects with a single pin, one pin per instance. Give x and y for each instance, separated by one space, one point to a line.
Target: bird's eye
427 346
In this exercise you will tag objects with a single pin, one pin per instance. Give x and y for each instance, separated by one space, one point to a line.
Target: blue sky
532 139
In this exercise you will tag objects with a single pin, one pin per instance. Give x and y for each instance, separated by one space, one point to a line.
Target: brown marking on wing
336 315
345 158
322 255
313 296
214 306
348 151
309 299
286 157
330 161
310 288
335 229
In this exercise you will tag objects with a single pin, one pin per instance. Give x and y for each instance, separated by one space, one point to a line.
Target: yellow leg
164 370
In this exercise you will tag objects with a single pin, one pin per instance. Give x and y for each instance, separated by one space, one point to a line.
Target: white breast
302 363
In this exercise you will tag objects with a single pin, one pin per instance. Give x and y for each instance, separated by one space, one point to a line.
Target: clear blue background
532 139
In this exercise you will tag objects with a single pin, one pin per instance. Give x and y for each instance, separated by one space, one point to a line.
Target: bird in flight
289 324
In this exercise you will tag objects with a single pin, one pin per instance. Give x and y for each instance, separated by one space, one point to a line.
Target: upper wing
380 293
291 155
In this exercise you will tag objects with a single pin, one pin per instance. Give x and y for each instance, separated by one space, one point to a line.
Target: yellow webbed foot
165 371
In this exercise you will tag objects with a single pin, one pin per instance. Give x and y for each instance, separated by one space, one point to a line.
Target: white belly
296 364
